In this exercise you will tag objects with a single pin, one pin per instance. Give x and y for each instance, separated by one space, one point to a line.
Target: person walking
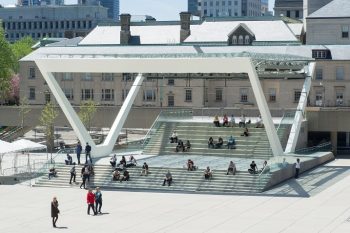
87 153
297 168
73 174
84 176
98 200
79 149
54 211
90 199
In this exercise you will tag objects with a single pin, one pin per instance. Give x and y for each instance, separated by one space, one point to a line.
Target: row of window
150 95
223 12
34 35
84 24
217 3
339 73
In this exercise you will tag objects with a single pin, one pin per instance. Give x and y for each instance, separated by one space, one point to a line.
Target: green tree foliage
87 112
7 63
47 118
21 48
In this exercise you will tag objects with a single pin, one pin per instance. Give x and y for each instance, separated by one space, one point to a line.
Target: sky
160 9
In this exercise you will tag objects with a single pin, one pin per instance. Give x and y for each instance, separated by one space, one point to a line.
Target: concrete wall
289 172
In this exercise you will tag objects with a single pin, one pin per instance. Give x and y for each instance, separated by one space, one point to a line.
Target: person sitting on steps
116 175
219 143
242 121
253 168
122 163
231 143
168 178
69 160
173 138
126 176
52 172
245 132
225 121
180 146
216 121
187 145
208 174
231 168
190 165
211 143
113 160
144 169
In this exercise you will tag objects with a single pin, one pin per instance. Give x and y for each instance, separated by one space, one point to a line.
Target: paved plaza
317 202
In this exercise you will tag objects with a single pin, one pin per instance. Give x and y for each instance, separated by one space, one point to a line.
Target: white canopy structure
26 145
6 147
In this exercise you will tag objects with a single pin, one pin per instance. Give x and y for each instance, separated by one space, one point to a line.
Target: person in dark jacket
54 211
87 153
79 149
73 174
98 200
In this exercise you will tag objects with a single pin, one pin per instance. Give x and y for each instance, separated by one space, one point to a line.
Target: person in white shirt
173 138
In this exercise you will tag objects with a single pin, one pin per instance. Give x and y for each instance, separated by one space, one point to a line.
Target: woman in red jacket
90 199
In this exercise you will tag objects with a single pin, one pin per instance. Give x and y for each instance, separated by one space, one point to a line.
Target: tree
23 111
20 49
13 94
7 63
47 118
87 112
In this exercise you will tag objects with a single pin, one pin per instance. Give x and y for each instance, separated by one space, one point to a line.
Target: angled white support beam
265 112
66 107
300 112
119 121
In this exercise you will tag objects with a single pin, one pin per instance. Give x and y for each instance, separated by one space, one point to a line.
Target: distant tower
113 8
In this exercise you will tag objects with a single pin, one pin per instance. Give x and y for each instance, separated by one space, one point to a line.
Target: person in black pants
87 153
72 174
84 175
297 169
79 149
54 211
98 200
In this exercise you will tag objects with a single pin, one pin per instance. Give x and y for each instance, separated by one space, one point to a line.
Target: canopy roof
19 145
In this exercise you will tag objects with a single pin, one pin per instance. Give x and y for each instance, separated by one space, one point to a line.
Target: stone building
289 8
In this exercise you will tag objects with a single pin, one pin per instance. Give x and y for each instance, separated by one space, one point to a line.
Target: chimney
125 29
185 20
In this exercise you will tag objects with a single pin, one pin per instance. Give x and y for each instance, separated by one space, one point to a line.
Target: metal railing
323 147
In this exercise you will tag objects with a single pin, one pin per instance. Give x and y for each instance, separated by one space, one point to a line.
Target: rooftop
334 9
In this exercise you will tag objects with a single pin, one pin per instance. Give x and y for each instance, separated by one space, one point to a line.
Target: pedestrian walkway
327 210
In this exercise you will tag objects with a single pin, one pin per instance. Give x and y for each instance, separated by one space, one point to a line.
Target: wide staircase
184 181
254 146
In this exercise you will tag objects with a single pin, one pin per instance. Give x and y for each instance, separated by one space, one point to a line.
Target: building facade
50 21
289 8
192 7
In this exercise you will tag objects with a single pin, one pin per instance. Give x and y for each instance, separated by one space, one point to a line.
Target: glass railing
323 147
175 114
284 128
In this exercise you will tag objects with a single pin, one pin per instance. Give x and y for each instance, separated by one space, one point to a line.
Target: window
87 77
149 95
31 73
107 77
321 54
247 39
297 15
171 82
339 98
87 94
107 95
211 3
244 94
171 101
67 77
68 92
339 73
31 93
229 3
124 94
272 95
319 74
218 95
240 40
319 98
288 13
345 31
188 95
297 94
128 77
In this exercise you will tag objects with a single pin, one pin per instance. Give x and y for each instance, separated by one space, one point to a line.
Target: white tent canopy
6 147
19 145
26 145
